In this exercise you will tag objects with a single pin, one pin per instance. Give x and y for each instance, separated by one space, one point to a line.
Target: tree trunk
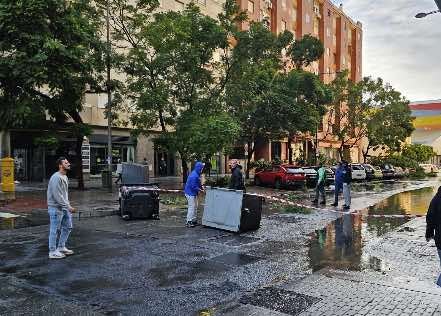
250 154
184 170
79 162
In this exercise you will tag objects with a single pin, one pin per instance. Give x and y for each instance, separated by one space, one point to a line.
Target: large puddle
340 244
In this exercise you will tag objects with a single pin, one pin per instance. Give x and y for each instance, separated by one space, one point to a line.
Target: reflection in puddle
13 221
340 244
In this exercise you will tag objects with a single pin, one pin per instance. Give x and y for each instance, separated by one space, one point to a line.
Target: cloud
404 51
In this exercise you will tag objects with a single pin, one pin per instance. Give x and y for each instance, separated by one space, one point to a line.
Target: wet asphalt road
163 268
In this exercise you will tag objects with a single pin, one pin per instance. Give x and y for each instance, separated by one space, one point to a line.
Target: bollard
7 176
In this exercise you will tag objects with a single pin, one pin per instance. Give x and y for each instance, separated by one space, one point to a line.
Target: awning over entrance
116 140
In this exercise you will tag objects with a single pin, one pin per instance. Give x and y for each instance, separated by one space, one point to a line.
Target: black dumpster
139 201
251 212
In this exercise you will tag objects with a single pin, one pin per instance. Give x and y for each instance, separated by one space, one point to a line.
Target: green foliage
291 209
306 50
221 182
47 141
369 108
173 80
418 152
269 102
174 200
49 51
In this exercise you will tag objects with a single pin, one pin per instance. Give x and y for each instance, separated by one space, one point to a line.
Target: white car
358 172
428 167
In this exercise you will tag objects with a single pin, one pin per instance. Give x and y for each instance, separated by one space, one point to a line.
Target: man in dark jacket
347 179
236 180
192 188
433 220
338 183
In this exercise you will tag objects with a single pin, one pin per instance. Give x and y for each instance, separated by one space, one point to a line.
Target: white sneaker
56 255
65 251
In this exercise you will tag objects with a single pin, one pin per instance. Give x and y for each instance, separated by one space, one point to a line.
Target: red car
280 176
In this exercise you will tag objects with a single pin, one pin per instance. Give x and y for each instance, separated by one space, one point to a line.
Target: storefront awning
117 140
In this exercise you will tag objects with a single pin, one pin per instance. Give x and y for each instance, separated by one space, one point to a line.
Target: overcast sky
404 51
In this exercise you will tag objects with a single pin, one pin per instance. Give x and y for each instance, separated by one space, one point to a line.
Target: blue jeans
59 219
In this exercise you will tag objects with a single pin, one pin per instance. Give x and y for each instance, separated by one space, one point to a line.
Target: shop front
123 150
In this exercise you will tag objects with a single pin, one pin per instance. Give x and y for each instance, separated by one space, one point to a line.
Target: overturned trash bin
232 210
139 201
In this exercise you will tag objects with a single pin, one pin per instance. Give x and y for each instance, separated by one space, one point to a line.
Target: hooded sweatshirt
433 219
193 184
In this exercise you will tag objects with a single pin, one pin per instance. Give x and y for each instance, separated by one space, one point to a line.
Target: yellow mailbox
7 167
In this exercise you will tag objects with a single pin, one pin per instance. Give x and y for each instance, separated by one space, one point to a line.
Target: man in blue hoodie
338 183
192 187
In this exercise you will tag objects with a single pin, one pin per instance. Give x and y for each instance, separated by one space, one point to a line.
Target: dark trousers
338 188
320 190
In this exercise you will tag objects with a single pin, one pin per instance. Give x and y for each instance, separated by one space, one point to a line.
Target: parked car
280 176
388 171
399 172
370 171
378 174
311 176
428 167
330 177
358 172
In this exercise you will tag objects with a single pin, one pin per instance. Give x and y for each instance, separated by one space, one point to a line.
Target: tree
269 102
418 152
390 122
50 50
173 81
305 51
368 109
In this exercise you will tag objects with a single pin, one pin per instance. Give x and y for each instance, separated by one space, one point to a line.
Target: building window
328 71
179 5
283 4
307 19
283 25
344 60
328 32
276 151
250 6
328 51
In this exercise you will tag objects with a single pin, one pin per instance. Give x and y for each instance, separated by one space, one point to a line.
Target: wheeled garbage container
232 210
139 201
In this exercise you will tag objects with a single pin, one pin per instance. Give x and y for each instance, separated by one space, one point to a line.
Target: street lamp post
424 14
109 101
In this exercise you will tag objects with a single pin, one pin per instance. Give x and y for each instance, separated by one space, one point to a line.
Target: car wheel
277 184
257 181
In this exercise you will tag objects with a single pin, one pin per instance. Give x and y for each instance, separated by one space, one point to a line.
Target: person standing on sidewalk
433 221
236 180
320 187
338 183
192 188
347 179
60 210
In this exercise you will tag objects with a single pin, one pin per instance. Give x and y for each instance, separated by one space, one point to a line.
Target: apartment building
342 40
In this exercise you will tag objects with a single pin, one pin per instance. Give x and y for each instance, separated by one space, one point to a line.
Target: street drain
280 300
236 259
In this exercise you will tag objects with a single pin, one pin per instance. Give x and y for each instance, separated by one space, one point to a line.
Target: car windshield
294 170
